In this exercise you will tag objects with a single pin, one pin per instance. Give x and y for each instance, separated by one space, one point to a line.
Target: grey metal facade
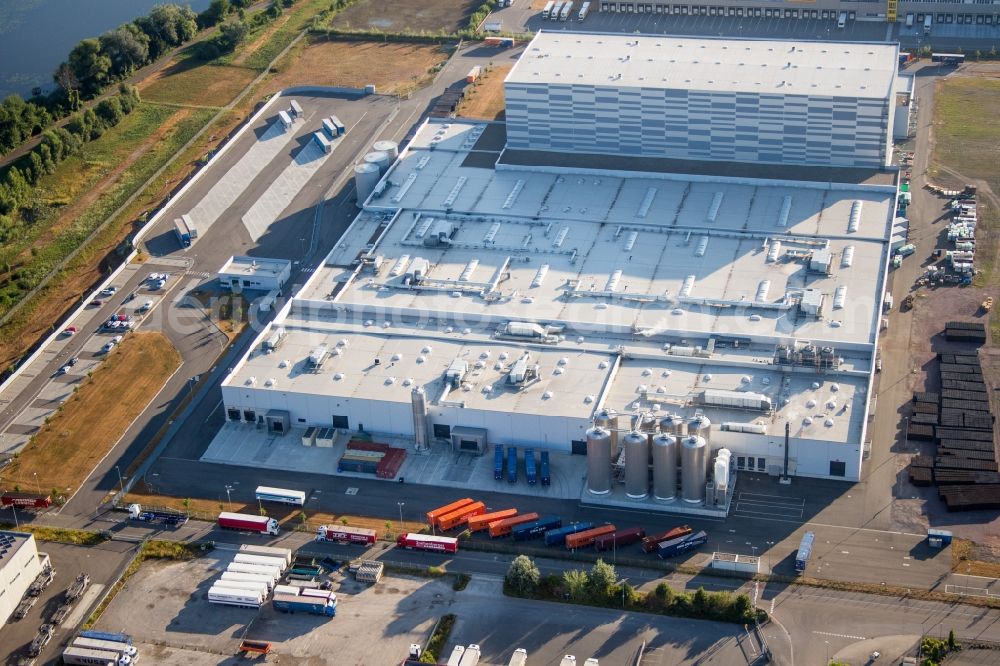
693 124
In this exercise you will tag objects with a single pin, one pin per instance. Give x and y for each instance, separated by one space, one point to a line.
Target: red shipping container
587 537
650 543
26 500
619 538
361 445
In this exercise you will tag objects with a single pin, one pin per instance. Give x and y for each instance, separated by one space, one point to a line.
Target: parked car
70 331
110 291
63 370
97 302
73 361
145 307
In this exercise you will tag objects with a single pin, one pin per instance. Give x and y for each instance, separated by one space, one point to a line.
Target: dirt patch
484 99
202 85
412 16
975 559
392 67
229 311
66 450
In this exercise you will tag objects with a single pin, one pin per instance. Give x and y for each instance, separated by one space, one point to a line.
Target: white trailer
261 560
547 12
456 656
519 658
567 9
554 16
230 597
295 109
471 656
237 577
79 656
323 142
258 587
191 226
268 551
584 10
109 646
927 23
273 572
280 495
284 120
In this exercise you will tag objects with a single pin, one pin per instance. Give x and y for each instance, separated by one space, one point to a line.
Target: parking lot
373 625
103 563
519 17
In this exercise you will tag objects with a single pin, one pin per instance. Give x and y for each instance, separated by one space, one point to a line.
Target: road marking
789 500
788 512
773 599
854 638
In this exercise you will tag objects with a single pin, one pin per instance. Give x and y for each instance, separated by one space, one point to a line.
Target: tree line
600 587
18 181
98 62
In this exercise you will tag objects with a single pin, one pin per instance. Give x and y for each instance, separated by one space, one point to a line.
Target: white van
842 20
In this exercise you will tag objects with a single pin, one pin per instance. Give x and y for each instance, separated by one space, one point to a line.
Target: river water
37 35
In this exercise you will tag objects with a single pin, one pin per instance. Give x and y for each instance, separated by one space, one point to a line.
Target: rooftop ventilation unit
512 197
713 210
613 280
687 286
453 195
492 233
762 289
647 202
417 272
630 240
773 251
560 237
786 208
455 373
839 297
317 357
855 220
470 268
848 257
540 275
400 266
440 234
523 371
702 247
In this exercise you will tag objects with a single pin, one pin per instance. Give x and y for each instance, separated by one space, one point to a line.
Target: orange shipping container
586 538
503 527
477 523
455 518
433 516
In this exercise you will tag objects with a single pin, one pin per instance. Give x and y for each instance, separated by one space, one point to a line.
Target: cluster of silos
676 448
373 166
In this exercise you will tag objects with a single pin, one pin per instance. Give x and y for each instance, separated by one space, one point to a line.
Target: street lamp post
400 505
13 510
827 651
229 497
121 483
38 486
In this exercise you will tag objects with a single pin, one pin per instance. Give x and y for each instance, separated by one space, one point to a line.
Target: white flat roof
762 66
242 266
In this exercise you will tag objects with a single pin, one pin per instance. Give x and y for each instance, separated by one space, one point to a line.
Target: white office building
703 98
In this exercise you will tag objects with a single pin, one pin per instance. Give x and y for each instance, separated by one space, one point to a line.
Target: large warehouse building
759 101
476 301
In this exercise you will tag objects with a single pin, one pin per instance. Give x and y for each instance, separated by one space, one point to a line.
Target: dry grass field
411 16
66 450
393 68
199 85
484 99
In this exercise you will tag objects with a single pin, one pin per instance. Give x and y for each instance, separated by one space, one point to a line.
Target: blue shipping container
544 470
305 605
511 464
557 537
805 550
681 545
106 636
537 528
529 466
498 462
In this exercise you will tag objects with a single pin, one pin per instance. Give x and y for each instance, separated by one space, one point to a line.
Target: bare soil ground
975 559
198 85
484 99
412 15
392 67
290 517
66 450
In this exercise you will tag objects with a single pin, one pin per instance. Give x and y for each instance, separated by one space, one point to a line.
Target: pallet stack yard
960 420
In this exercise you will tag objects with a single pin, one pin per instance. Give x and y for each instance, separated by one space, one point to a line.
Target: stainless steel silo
608 420
636 464
664 466
419 403
387 146
379 159
700 426
366 177
598 461
694 468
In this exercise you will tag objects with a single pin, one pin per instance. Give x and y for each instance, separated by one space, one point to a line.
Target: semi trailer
343 533
246 522
261 560
269 551
287 603
427 542
167 517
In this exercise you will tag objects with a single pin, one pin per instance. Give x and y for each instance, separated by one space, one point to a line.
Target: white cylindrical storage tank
366 177
636 464
721 471
380 159
387 146
694 469
599 461
608 420
664 467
